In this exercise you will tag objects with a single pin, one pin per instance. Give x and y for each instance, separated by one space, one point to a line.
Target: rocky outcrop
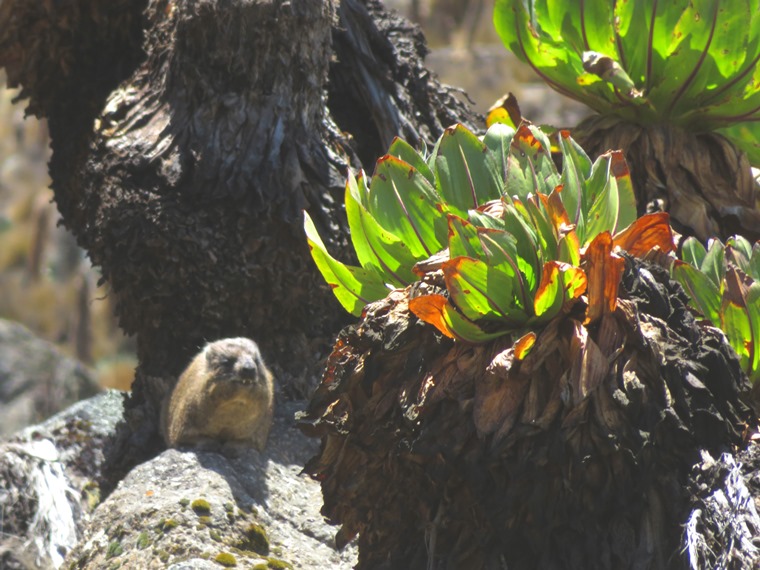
180 510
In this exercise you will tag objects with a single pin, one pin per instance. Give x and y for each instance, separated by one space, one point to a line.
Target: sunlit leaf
376 247
568 244
498 140
505 111
501 251
604 270
691 63
713 264
466 174
354 287
559 284
480 290
437 311
693 252
646 233
403 150
754 263
576 168
753 312
404 203
530 168
463 238
524 344
735 320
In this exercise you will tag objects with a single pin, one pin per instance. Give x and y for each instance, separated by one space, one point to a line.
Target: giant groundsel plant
517 242
676 86
684 62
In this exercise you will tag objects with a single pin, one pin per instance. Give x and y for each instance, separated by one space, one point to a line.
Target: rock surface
36 380
260 509
187 509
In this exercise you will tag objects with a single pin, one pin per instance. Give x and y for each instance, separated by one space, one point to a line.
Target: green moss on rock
165 525
255 539
201 507
225 559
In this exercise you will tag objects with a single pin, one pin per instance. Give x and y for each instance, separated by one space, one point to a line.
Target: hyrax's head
235 360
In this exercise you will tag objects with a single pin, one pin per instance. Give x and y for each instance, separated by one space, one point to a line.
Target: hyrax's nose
247 367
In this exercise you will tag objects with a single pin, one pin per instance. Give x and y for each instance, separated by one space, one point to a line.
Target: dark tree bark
189 135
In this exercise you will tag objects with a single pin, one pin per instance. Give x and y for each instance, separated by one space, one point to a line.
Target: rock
47 475
181 510
36 380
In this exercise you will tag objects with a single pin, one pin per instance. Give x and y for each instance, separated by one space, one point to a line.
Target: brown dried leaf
499 395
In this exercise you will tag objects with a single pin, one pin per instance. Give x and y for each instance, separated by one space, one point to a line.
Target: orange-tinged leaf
560 282
568 244
430 308
437 311
556 208
646 233
505 110
523 345
547 293
604 270
526 141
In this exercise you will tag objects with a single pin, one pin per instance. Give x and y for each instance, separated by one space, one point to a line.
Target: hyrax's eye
227 362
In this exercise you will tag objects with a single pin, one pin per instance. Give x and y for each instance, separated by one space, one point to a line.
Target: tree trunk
189 135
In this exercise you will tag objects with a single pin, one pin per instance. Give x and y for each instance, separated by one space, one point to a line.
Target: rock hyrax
224 399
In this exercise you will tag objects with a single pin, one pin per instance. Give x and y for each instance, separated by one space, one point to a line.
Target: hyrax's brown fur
224 399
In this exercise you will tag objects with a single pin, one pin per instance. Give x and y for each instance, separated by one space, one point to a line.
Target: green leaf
738 251
463 238
354 287
746 136
466 173
693 252
713 264
530 168
403 150
690 63
376 247
481 291
547 239
704 293
576 168
527 244
626 213
498 140
735 323
600 201
404 203
754 263
501 250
